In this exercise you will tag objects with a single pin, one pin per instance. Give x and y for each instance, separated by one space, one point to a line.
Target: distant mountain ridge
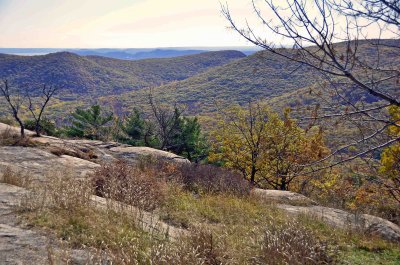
129 53
261 76
96 75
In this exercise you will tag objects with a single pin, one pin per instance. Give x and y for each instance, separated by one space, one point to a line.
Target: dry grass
10 138
211 179
223 228
85 154
16 178
291 243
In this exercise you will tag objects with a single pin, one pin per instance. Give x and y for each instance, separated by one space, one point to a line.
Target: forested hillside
197 81
262 76
96 76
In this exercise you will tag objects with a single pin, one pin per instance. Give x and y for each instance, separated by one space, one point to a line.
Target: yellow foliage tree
390 158
267 150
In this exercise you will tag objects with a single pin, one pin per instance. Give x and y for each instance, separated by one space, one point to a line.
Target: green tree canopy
89 123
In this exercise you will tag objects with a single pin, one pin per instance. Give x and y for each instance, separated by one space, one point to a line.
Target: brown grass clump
200 247
291 243
16 178
10 138
129 184
85 154
59 191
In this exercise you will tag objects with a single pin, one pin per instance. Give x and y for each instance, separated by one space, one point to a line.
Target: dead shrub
290 243
212 179
129 184
197 178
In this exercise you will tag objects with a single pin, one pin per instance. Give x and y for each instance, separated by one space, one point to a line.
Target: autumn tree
390 158
331 38
267 150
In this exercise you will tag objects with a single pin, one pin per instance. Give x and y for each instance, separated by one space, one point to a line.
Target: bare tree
14 102
327 36
47 93
166 121
387 11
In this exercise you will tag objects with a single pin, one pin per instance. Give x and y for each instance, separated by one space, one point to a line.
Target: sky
124 23
117 23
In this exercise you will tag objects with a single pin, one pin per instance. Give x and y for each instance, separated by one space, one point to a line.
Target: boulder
14 130
95 151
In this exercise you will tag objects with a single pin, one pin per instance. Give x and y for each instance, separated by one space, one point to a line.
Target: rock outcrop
296 204
283 197
342 219
80 157
38 163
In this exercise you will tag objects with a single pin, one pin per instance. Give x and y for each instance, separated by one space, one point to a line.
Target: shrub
290 243
47 127
212 179
129 184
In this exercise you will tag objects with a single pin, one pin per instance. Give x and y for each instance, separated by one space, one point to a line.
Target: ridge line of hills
195 80
95 75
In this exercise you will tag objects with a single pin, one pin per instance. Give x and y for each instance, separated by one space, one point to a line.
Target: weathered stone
39 163
134 152
342 219
283 197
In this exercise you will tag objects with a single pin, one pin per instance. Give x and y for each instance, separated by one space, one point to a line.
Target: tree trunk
21 125
253 174
37 128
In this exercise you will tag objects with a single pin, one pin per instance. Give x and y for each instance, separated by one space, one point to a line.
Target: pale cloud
117 23
124 23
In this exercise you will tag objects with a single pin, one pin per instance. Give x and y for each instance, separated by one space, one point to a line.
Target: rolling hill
94 76
198 81
261 76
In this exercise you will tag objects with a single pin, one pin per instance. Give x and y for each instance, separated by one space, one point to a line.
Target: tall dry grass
8 137
63 205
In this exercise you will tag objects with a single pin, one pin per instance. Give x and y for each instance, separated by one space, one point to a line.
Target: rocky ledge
80 157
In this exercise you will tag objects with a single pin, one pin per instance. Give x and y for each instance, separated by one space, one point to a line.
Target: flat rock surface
38 163
20 244
129 152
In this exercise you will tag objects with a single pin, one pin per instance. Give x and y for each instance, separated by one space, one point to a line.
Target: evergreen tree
90 123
